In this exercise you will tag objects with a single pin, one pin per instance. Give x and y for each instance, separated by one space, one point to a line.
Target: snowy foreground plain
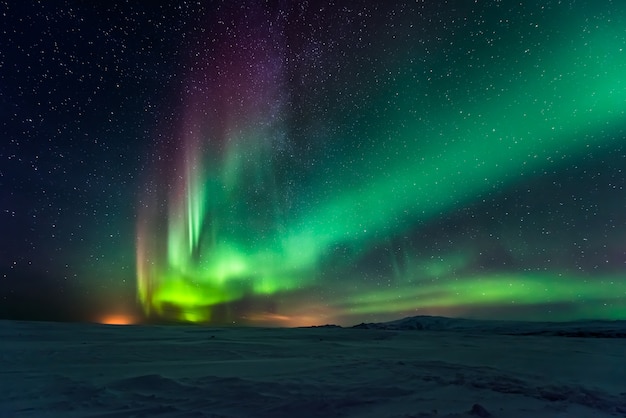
417 367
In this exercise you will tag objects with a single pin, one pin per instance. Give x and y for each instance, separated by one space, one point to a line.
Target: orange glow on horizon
273 319
296 316
117 319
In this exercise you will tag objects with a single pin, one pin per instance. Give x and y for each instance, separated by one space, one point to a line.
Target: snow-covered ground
450 368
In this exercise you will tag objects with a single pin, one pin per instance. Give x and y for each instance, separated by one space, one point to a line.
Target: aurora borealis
312 162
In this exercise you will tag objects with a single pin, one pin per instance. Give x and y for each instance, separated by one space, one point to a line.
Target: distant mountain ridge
585 328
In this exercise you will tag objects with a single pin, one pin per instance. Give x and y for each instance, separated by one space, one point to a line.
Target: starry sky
298 163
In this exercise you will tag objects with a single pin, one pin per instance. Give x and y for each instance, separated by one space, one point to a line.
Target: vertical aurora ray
223 229
212 251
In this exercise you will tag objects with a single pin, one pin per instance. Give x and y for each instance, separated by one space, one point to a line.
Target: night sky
297 163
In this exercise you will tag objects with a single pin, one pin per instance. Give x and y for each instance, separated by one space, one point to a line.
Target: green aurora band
225 235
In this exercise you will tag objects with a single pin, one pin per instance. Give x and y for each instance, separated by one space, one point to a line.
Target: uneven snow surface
77 370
